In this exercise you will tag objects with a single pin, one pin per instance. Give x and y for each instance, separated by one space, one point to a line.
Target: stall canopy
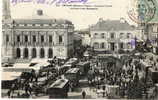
18 67
59 83
38 60
37 64
9 76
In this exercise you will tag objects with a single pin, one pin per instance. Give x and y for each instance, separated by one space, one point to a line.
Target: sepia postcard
79 49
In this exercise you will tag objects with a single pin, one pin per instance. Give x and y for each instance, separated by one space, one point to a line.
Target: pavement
75 94
83 86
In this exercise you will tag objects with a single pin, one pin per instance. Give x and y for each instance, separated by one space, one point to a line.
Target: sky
80 18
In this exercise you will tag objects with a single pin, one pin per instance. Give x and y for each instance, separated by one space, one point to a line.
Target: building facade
150 25
36 37
86 39
112 35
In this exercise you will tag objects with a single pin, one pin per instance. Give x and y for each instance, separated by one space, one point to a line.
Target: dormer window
40 12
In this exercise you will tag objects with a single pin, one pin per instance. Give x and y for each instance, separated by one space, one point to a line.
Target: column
66 38
21 38
46 52
30 38
30 52
38 38
38 52
47 38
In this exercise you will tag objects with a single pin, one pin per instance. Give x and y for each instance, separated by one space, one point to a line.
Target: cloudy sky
80 18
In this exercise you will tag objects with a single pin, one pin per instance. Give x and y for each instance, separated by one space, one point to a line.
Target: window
102 45
42 38
102 35
18 53
50 53
121 35
34 38
95 35
112 35
34 53
18 38
60 39
121 46
128 35
50 39
96 45
42 53
26 53
7 38
26 38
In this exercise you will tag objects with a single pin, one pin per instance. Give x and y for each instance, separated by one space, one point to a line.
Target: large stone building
112 35
36 37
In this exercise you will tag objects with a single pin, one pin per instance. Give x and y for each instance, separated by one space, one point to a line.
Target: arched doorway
50 53
18 53
26 53
42 53
34 53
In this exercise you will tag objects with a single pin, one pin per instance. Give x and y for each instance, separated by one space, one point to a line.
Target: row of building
114 35
46 37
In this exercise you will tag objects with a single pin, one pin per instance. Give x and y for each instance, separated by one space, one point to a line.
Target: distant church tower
6 9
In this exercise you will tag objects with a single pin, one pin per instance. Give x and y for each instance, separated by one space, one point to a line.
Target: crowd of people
27 84
130 77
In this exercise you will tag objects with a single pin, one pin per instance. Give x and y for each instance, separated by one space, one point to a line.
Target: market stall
59 89
8 78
